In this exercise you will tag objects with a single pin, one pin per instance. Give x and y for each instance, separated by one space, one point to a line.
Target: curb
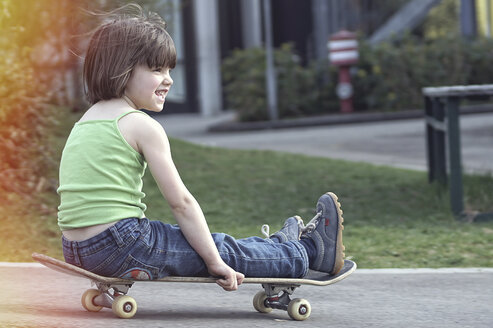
424 271
335 119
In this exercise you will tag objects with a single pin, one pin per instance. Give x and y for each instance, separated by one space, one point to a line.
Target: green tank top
100 176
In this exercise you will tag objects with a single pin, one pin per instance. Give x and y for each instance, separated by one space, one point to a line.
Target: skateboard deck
111 292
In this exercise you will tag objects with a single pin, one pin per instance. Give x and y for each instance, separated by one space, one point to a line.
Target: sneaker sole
339 258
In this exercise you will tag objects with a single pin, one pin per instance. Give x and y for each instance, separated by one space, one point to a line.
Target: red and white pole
343 52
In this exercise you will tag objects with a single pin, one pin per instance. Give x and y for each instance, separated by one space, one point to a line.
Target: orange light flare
35 39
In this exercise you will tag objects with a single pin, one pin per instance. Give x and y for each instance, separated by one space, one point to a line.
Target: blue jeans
146 250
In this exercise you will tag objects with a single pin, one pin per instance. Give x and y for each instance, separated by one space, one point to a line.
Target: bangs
160 52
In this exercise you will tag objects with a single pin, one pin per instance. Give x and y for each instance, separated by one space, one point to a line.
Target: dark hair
124 41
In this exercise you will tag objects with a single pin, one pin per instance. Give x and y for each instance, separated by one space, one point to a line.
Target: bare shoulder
140 122
141 130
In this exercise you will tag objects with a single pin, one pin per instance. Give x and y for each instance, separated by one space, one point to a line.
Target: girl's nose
168 80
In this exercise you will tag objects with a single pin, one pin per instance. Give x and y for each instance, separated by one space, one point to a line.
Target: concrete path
34 296
392 143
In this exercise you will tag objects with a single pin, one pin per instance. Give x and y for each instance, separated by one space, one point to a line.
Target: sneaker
291 230
326 232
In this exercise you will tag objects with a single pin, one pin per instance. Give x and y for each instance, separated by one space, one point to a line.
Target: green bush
244 83
388 76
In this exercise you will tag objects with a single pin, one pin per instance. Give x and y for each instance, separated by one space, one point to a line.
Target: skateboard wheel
299 309
259 302
87 300
124 307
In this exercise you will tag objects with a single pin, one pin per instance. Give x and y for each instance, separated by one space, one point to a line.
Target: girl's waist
80 234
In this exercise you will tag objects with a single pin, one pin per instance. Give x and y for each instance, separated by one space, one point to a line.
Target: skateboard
112 292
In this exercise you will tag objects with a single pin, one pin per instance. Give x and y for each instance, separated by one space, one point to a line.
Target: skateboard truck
274 300
93 300
106 298
277 296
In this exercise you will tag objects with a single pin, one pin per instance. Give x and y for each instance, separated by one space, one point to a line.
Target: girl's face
147 88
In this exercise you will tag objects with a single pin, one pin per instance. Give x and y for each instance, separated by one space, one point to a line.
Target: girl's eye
158 69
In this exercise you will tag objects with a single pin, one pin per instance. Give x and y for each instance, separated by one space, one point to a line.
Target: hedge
388 77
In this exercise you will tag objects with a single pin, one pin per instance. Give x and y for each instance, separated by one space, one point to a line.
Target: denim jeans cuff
304 254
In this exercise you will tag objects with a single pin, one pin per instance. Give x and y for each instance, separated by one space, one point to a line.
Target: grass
393 217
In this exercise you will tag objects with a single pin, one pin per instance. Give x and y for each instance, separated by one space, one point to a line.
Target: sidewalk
37 296
433 298
399 143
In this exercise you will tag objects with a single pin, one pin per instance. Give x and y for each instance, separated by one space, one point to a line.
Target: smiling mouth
161 94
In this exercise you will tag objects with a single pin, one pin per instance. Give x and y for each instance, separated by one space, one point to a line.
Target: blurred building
206 31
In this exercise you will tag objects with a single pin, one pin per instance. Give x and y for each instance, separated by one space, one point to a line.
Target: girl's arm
148 136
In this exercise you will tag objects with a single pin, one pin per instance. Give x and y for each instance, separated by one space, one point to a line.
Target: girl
101 214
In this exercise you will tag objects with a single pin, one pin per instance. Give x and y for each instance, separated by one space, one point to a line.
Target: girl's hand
230 278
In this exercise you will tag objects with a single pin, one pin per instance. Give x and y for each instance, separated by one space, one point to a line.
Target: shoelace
265 230
305 229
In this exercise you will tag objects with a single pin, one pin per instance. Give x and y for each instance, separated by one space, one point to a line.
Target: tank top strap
129 112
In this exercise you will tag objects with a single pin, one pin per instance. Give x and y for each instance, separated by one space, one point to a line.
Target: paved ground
38 297
33 296
392 143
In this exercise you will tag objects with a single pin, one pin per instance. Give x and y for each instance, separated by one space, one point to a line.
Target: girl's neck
107 109
129 102
118 104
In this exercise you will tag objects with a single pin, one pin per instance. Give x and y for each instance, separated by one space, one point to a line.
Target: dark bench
443 138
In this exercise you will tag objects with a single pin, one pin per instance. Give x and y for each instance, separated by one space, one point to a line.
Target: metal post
270 73
320 11
454 153
251 23
430 149
334 16
439 163
468 18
